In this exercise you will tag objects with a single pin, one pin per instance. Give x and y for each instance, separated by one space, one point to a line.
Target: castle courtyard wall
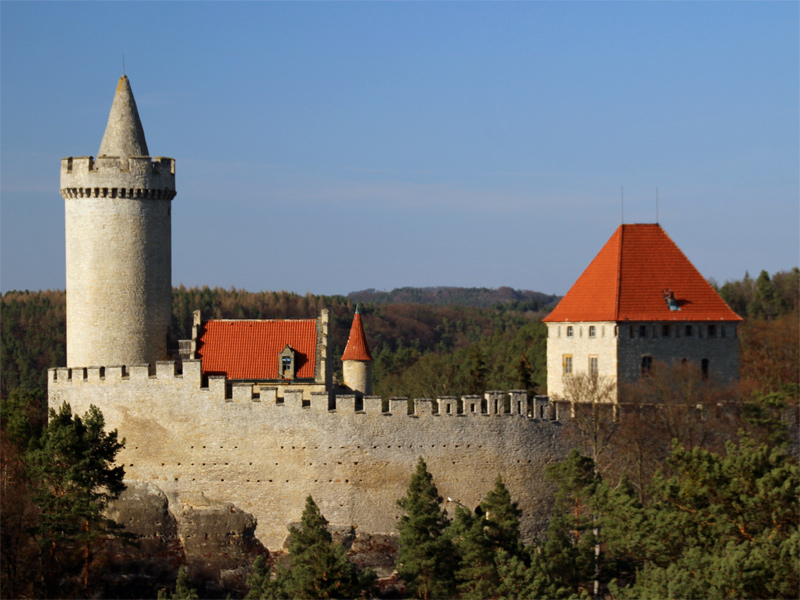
267 456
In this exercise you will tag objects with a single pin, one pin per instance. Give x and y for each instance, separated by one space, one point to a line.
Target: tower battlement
118 177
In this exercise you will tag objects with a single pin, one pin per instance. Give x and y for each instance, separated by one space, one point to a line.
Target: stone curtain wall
266 457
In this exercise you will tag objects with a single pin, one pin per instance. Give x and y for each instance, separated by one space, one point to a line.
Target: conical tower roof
357 348
632 278
124 136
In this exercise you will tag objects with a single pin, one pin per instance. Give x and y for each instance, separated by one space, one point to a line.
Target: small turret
118 245
357 360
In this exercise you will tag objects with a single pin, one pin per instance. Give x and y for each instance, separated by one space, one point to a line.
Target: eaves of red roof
629 277
357 348
249 349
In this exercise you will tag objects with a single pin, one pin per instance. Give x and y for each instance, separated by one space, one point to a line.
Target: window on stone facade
633 332
712 330
567 364
647 365
722 331
704 368
688 331
642 330
569 331
665 331
593 369
592 331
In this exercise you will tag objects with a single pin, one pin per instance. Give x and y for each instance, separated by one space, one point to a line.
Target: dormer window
669 298
286 363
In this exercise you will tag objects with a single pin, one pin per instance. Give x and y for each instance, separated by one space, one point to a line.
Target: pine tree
261 585
72 467
425 557
525 375
477 371
484 540
183 591
319 568
476 575
720 527
502 519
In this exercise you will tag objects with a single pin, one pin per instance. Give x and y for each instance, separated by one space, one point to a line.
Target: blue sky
333 147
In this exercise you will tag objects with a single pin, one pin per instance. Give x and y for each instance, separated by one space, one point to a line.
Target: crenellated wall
266 452
114 177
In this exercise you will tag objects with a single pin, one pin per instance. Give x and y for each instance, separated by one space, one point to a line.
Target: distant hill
447 296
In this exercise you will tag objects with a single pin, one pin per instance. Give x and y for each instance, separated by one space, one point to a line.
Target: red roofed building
271 352
357 360
640 300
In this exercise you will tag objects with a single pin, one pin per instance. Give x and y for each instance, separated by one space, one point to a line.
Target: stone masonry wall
266 456
357 375
118 255
620 352
580 346
721 349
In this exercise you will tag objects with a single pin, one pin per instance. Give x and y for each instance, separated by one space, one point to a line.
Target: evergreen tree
319 568
485 539
720 527
425 557
477 371
183 591
476 575
763 304
562 566
260 584
72 467
502 519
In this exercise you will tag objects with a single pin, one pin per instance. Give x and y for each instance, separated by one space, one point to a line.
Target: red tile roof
357 348
629 277
244 349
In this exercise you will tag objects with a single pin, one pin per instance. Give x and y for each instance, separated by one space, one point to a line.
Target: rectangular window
567 364
647 365
642 330
722 331
569 331
593 369
633 334
665 331
592 331
712 330
688 331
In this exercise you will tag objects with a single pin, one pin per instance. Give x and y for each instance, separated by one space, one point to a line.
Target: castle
640 300
249 412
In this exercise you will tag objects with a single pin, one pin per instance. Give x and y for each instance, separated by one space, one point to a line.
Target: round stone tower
119 245
357 360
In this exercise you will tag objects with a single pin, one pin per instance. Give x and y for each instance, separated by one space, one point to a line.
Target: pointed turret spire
357 348
124 136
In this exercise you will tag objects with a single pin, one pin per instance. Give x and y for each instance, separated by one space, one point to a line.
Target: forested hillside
446 296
